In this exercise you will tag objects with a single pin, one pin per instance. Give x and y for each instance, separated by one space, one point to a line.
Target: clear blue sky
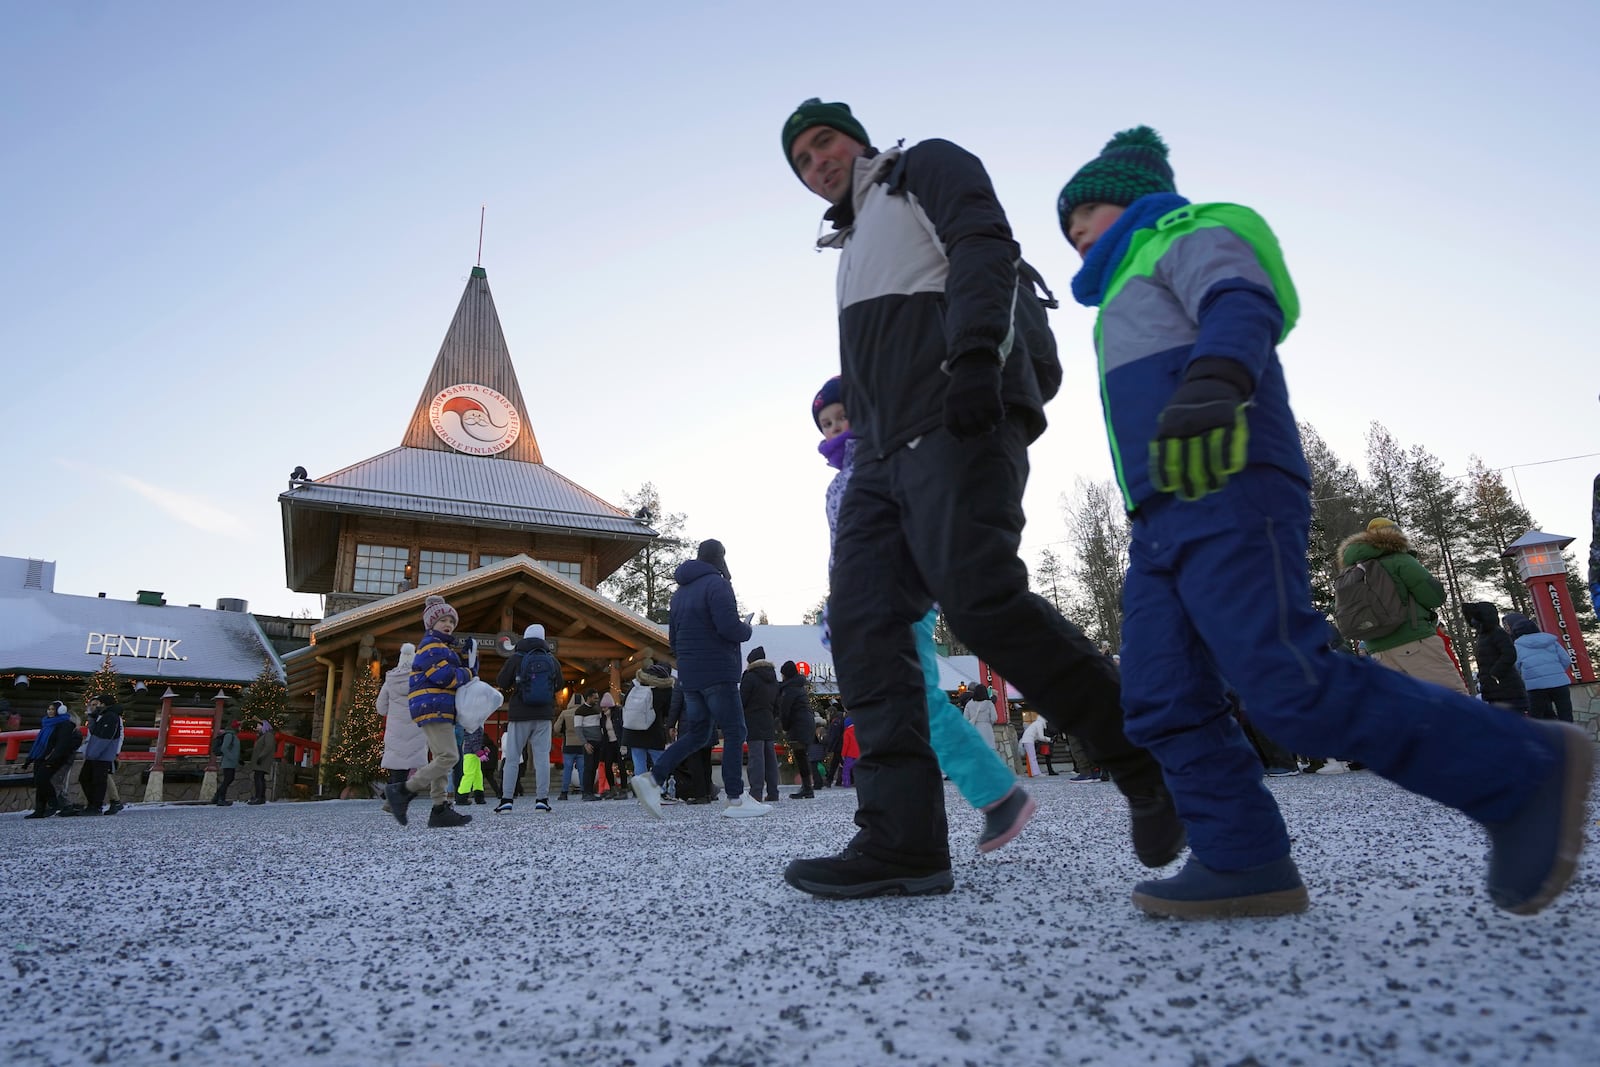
235 234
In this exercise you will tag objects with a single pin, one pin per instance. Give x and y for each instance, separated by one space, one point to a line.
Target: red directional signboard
189 735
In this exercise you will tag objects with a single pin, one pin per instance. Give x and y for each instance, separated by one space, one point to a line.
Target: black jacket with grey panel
930 272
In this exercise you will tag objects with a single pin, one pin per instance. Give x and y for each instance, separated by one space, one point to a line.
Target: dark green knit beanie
1131 165
815 113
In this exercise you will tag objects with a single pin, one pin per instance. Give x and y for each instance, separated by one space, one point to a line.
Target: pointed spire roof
472 404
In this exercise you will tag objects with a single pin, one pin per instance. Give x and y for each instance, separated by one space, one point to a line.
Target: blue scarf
1089 284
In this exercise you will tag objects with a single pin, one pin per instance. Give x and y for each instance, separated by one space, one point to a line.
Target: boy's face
825 160
833 420
446 626
1088 221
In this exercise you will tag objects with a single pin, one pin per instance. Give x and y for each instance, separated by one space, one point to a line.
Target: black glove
1202 435
972 404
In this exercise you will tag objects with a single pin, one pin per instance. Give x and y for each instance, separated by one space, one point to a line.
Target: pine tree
1340 506
1497 520
267 698
357 753
1050 578
645 584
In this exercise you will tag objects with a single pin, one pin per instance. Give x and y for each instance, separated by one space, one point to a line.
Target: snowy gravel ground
324 933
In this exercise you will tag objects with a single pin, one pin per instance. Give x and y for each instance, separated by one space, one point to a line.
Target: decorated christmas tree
104 680
357 752
267 698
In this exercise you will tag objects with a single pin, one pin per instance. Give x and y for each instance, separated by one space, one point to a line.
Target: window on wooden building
436 566
489 559
566 569
379 569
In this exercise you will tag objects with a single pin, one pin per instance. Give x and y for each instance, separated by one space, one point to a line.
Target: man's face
825 159
833 420
1088 221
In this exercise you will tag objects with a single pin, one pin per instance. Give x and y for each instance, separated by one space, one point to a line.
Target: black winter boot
445 815
1158 833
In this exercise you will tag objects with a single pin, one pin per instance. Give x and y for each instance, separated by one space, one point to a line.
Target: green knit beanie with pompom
1131 165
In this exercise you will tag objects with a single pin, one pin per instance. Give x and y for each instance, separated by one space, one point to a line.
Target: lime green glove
1202 435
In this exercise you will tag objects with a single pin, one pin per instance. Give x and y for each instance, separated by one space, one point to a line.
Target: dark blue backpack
538 677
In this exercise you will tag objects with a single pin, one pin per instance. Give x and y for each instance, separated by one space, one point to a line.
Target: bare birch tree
1098 530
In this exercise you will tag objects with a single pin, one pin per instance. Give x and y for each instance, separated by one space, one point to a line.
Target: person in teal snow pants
979 774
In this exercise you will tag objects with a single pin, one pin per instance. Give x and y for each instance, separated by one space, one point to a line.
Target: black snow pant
228 774
802 763
1082 763
44 793
93 780
943 521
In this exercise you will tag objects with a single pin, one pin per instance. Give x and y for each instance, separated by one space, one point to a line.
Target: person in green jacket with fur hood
1416 647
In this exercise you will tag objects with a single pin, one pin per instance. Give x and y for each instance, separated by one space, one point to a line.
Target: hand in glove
1202 435
972 404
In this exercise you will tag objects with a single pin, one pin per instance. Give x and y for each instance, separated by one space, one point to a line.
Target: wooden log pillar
208 781
153 789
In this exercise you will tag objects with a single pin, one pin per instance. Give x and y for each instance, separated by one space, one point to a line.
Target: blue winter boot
1198 892
1532 854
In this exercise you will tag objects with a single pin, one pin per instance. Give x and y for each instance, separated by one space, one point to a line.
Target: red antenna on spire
481 209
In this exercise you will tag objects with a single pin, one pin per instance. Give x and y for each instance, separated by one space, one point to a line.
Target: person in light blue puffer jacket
1543 663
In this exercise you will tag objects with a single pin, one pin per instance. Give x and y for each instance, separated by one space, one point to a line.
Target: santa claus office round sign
474 419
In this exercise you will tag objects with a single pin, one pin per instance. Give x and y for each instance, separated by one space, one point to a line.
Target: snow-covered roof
472 489
61 633
803 644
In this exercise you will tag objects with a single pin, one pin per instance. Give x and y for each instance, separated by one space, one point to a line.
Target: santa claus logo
474 419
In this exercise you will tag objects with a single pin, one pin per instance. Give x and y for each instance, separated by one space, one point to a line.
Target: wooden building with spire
465 507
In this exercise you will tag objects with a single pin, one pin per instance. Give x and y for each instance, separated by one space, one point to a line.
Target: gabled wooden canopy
597 641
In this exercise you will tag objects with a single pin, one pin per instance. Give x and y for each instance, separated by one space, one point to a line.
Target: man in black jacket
947 362
758 693
1498 679
799 724
528 716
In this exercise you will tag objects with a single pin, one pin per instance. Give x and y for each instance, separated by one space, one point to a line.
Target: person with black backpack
947 362
105 729
532 676
1405 639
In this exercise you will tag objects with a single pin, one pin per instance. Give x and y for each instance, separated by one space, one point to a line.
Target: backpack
537 678
104 726
639 709
1368 604
1030 320
216 743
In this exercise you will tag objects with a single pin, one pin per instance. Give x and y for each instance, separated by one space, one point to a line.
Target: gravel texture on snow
325 933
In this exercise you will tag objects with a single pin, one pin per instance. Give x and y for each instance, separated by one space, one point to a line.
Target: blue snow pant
1218 588
970 761
716 703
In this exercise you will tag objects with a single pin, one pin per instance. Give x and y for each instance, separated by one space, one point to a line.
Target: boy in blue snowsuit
1194 299
970 762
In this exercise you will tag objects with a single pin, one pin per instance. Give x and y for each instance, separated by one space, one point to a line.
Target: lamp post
1537 556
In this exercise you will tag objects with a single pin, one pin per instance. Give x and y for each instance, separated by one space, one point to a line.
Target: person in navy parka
705 631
